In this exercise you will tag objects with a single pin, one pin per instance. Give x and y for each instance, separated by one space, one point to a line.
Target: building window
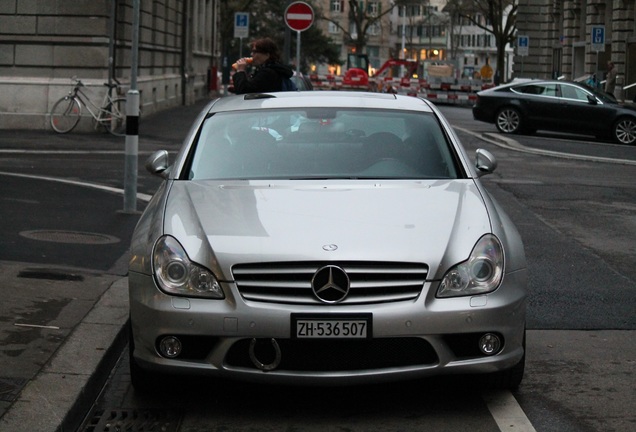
333 28
336 5
374 29
374 8
202 25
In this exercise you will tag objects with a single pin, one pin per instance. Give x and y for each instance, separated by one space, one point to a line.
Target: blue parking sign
523 45
241 24
597 38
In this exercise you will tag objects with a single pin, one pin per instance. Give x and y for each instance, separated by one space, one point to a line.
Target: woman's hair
267 46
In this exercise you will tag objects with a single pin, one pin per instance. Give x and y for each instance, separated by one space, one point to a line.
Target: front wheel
65 115
625 130
508 120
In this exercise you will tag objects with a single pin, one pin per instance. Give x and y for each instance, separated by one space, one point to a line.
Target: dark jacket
267 78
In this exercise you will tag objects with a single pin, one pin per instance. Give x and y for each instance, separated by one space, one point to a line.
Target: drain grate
75 237
50 275
144 420
10 388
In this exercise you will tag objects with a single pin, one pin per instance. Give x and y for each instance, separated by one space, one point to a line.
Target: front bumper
233 337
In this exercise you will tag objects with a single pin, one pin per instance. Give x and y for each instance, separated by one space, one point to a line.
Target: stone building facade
43 43
560 40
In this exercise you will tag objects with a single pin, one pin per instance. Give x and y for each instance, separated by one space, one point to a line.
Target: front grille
290 282
341 355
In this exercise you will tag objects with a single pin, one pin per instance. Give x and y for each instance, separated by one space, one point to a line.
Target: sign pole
298 53
132 122
299 16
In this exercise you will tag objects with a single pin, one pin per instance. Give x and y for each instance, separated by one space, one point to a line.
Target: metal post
402 53
132 123
298 53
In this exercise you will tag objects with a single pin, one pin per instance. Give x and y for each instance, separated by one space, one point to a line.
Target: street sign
523 45
241 24
299 16
598 38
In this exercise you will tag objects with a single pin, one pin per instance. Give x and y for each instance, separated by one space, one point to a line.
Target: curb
61 395
511 144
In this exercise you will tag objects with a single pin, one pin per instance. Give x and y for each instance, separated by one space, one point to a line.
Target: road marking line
140 196
507 413
510 144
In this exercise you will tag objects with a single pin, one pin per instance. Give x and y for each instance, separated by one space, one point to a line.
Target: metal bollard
132 151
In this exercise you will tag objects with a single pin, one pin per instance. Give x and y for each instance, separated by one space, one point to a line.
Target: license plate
331 327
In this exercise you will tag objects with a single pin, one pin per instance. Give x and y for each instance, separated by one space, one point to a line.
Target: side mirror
157 163
592 100
485 162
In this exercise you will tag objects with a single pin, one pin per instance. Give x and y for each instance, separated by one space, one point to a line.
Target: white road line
507 413
140 196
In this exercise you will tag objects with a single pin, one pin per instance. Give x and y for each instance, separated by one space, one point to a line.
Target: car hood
221 224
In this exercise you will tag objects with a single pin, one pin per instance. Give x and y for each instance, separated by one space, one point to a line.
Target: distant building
44 43
421 23
474 49
561 43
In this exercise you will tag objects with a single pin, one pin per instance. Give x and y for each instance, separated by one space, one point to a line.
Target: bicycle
67 112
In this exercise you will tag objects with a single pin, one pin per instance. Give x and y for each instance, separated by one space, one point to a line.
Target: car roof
308 99
520 82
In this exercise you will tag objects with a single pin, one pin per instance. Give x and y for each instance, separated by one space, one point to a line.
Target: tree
362 16
500 14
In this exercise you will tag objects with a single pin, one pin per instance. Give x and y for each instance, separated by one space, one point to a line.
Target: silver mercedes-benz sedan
325 238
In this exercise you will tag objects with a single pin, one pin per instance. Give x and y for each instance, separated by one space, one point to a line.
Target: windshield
321 143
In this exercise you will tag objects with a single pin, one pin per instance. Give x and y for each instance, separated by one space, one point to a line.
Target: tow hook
266 352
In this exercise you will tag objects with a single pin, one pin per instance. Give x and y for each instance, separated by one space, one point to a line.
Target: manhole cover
76 237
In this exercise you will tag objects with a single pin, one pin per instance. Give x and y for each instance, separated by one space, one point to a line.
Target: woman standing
269 73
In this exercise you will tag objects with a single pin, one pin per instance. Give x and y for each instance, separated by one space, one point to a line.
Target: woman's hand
241 64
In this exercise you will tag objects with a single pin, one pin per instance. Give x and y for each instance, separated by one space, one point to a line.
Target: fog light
490 344
170 347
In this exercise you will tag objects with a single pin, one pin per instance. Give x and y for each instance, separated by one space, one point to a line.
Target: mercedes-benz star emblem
330 284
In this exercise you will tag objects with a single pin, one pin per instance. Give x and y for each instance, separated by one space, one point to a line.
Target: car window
538 89
321 143
573 92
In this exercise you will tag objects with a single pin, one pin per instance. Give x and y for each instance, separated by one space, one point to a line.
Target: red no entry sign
299 16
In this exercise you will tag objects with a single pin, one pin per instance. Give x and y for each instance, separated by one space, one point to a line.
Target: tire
624 130
65 114
116 124
508 120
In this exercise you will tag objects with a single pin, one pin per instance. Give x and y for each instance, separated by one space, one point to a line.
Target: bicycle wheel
115 119
65 115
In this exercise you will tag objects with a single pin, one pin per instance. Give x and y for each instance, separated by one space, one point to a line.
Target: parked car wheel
625 130
509 120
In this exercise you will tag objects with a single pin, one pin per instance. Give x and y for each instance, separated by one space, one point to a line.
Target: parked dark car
525 107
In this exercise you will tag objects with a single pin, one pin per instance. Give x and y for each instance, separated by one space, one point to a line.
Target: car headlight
481 273
176 274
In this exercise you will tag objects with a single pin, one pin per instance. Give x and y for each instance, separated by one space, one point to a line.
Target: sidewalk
62 329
